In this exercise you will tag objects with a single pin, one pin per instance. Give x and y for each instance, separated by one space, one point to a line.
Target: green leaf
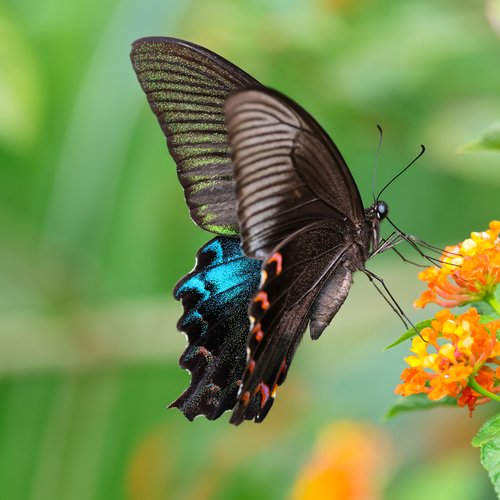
487 318
490 430
410 333
488 440
488 141
416 402
483 308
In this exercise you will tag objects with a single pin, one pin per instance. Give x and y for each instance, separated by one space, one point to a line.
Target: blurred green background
95 233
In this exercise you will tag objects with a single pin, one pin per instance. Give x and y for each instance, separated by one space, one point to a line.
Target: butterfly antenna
375 164
402 171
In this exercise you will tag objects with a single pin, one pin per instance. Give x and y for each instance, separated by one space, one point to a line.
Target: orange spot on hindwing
251 365
264 394
281 373
278 259
257 332
262 298
245 399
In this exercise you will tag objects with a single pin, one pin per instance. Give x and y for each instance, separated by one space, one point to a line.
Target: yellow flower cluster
449 354
470 271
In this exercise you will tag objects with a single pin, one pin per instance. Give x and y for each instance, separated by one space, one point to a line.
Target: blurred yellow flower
470 271
348 463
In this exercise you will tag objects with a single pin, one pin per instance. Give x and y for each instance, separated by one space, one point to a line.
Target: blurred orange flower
347 464
452 355
470 271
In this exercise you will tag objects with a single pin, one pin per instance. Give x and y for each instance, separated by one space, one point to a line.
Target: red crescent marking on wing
251 365
245 398
283 366
262 298
264 391
278 258
275 386
203 351
273 393
258 333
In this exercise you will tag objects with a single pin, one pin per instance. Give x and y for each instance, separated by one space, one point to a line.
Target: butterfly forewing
299 206
186 86
288 173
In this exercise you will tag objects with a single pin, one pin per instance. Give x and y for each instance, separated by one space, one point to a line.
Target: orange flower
454 354
470 398
347 464
470 271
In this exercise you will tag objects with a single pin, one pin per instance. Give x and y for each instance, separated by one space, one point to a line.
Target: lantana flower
457 356
470 271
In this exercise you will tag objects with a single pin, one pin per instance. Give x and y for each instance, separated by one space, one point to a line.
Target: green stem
493 303
474 385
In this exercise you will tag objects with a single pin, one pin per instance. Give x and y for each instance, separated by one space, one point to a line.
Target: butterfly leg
390 243
397 237
415 242
440 251
389 298
387 243
408 261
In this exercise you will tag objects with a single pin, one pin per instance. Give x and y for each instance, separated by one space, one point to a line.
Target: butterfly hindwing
186 86
288 173
215 296
293 280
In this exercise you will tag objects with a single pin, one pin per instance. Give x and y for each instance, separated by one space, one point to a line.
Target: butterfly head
381 210
377 212
374 215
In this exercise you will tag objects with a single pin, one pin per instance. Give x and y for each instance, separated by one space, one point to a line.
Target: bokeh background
95 233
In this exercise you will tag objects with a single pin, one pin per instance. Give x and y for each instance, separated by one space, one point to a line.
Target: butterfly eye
382 210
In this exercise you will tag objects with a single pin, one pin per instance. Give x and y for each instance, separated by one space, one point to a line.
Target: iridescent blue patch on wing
215 296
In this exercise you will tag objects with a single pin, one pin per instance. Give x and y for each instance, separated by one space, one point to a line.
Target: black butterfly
255 168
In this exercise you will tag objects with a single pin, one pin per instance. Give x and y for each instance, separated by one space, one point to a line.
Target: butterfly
259 172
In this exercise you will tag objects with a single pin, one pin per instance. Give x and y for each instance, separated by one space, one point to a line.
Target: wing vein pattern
186 86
